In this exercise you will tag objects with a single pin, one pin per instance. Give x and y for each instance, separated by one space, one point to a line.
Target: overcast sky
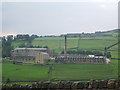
54 18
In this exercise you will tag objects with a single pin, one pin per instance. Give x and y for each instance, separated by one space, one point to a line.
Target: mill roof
31 48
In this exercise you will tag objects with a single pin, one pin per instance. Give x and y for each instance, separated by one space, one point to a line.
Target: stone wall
112 84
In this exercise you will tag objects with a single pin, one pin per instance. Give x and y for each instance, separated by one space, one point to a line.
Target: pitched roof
30 48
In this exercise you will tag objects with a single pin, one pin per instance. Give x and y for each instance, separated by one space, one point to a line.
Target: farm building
30 54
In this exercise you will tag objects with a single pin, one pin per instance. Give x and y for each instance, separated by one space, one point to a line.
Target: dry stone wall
112 84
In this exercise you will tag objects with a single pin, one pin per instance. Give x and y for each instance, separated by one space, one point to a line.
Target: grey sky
46 18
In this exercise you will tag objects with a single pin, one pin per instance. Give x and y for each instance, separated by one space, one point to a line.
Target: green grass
11 83
55 43
85 71
115 54
60 71
17 43
114 51
24 72
86 43
0 72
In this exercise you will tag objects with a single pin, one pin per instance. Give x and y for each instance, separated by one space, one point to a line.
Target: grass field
60 71
24 72
0 72
85 43
17 43
85 71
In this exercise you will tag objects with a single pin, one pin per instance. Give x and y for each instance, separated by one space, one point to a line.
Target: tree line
7 42
31 46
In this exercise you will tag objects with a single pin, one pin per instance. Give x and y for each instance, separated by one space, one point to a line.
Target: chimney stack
65 47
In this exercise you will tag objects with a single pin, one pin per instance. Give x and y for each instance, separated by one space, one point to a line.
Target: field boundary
48 85
115 58
12 81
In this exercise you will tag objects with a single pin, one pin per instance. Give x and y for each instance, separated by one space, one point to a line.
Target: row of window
80 61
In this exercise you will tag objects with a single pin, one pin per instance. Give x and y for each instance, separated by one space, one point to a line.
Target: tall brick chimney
65 47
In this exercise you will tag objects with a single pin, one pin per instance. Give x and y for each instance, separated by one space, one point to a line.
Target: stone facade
41 58
83 59
30 54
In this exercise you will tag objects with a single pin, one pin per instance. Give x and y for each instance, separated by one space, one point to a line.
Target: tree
10 38
26 37
19 36
6 46
8 80
97 53
108 55
34 36
45 47
89 52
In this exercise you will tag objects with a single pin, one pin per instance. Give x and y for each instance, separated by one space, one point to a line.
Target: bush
8 80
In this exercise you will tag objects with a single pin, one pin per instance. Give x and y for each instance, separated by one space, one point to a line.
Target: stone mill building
38 55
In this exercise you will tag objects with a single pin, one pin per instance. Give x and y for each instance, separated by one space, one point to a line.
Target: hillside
96 43
109 32
83 43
